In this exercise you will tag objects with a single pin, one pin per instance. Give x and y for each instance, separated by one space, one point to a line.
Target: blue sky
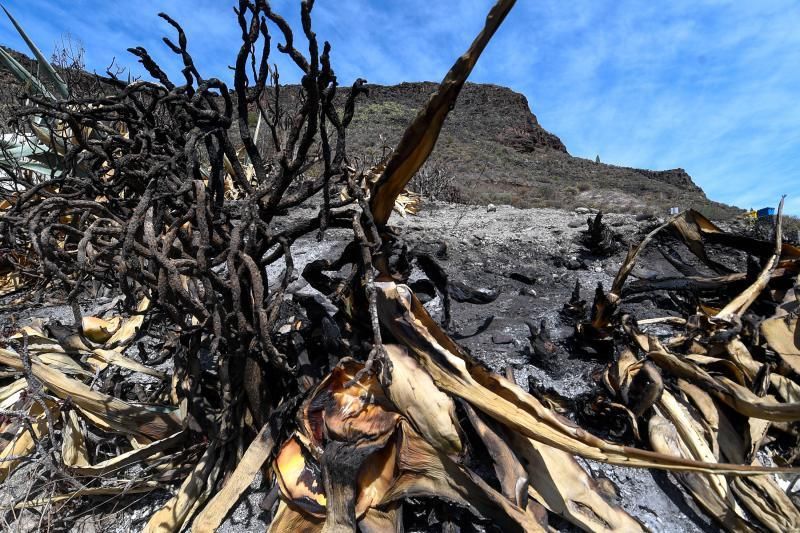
712 86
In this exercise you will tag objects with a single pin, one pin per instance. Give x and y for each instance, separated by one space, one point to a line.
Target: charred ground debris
358 407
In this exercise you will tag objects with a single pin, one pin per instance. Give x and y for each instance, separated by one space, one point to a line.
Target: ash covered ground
532 259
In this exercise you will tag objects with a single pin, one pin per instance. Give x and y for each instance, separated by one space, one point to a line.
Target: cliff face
482 111
677 177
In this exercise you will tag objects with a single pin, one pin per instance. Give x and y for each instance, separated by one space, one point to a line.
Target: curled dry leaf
637 382
390 460
107 412
300 478
783 335
732 393
99 330
765 500
366 441
129 327
504 401
420 137
567 490
416 397
23 443
73 445
664 437
135 488
426 472
510 473
288 519
143 454
193 492
219 506
354 423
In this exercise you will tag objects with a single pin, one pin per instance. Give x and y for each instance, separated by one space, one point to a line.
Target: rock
574 264
502 338
618 223
583 210
527 291
523 276
84 524
644 273
576 223
491 208
297 285
641 217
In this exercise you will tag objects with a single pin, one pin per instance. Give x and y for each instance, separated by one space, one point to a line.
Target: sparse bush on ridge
436 183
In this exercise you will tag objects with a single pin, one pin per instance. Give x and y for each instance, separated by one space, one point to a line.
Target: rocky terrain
496 149
530 259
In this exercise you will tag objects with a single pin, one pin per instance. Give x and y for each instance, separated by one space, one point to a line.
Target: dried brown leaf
23 443
415 395
424 472
194 491
407 320
566 489
109 413
420 137
99 330
136 488
73 445
510 473
223 501
152 450
783 335
665 438
288 518
762 497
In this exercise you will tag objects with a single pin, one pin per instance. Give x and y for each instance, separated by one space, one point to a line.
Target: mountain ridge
497 152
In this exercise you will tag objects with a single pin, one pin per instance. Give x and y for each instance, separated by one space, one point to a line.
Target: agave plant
32 151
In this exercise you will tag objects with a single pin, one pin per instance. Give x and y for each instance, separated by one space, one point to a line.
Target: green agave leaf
59 82
11 163
23 75
39 168
20 151
28 165
17 146
46 157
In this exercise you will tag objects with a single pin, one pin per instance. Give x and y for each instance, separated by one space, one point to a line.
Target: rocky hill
497 152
